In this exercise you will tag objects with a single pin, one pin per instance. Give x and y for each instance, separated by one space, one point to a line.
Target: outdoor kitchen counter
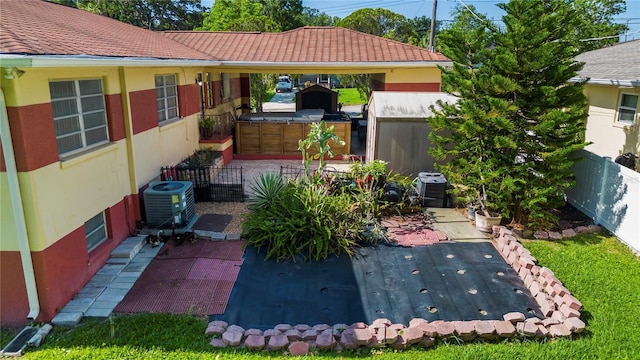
278 137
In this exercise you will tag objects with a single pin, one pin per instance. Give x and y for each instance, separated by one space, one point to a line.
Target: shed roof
618 62
406 105
315 88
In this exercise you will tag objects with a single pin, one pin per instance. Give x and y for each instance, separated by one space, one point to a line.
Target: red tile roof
42 28
303 45
36 27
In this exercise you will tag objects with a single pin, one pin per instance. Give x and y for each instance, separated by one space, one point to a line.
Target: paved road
281 102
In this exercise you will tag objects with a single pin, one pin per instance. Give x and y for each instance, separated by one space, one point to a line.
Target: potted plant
481 185
469 197
207 125
485 218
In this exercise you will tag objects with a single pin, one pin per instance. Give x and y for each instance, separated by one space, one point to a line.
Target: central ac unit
169 201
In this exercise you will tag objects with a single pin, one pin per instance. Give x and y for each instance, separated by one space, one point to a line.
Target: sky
413 8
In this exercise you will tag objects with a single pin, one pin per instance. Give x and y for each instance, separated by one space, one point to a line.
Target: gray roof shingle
617 62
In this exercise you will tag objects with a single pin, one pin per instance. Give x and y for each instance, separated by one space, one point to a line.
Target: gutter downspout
18 211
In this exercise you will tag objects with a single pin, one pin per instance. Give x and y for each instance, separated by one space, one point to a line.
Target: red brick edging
560 308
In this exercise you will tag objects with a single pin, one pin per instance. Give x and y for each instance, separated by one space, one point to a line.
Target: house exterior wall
407 79
60 195
610 138
426 79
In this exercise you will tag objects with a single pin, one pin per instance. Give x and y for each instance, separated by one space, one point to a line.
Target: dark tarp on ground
446 281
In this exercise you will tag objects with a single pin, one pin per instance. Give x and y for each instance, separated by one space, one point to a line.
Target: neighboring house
325 80
613 92
92 108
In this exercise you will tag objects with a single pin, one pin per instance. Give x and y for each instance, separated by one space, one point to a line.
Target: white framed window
166 97
627 109
79 114
95 231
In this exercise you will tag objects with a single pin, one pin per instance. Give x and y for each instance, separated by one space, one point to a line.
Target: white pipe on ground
18 211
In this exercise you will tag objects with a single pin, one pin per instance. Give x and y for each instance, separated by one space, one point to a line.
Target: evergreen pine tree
511 136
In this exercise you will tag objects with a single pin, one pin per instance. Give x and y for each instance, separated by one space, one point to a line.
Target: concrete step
127 250
67 318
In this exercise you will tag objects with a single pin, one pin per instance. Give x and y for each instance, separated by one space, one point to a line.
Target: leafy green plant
200 158
207 126
207 122
321 214
374 171
320 135
302 219
266 190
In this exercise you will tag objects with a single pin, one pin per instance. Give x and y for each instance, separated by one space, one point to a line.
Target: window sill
170 124
88 154
622 125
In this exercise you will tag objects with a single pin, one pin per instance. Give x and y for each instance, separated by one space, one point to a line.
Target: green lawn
350 96
601 272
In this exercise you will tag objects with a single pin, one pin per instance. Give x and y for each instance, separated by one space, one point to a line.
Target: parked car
284 84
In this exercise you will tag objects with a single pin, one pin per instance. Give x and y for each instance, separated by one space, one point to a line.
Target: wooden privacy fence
210 183
610 194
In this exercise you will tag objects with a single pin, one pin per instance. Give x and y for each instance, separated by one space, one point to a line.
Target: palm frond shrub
265 190
300 219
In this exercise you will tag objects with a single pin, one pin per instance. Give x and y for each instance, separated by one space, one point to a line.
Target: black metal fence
296 172
291 172
210 183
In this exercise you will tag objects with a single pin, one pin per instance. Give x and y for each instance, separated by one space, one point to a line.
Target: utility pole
432 33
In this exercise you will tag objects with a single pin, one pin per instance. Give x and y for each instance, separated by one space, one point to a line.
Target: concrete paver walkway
455 225
110 284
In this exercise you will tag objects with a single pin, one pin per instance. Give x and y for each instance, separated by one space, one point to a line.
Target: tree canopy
596 27
509 139
259 15
238 15
593 28
380 22
148 14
